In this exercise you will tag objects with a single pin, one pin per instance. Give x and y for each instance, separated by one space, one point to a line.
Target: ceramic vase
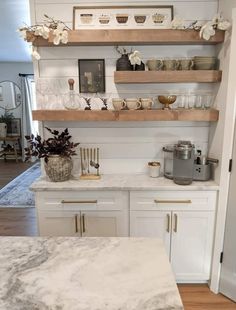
58 168
123 63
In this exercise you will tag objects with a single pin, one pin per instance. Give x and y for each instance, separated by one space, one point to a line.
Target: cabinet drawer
172 200
83 200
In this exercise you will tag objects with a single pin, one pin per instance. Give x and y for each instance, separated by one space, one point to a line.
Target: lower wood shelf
210 115
188 76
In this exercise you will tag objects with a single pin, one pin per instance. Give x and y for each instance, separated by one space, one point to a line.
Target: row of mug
184 101
132 103
170 64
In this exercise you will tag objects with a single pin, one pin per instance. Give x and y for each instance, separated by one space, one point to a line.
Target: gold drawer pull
76 223
79 201
175 223
173 201
83 223
168 223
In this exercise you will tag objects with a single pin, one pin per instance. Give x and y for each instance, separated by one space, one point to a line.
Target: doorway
228 270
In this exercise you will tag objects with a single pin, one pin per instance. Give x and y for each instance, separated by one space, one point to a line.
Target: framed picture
123 17
92 75
14 127
1 93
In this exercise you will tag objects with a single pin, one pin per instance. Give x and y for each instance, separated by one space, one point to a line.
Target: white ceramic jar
154 169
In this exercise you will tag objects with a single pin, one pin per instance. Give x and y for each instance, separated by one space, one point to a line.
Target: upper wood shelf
190 76
130 37
210 115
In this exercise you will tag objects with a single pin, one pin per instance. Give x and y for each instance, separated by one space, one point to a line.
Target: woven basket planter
58 168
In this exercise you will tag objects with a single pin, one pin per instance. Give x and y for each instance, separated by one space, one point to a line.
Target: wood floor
10 169
199 297
22 222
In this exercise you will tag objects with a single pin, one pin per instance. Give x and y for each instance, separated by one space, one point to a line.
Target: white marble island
85 274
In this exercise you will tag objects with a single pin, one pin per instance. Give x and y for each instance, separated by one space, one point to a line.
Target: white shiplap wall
125 147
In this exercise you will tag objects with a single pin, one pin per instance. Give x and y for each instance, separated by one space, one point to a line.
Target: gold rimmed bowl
167 100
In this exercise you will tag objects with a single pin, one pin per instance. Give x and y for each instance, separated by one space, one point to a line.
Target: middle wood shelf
210 115
190 76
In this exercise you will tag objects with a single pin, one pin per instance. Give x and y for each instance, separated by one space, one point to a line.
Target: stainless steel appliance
168 160
183 162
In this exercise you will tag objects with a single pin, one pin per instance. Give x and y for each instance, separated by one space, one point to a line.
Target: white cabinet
90 214
184 221
151 224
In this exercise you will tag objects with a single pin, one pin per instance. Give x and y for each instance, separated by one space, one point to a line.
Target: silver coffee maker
183 162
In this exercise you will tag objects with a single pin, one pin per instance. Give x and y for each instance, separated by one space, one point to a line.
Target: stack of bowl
205 62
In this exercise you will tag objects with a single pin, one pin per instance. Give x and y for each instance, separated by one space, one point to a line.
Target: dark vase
140 67
123 63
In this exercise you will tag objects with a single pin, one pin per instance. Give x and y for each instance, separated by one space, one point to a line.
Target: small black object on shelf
140 67
123 63
88 107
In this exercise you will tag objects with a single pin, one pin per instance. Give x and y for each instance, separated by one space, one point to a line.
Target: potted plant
56 151
5 120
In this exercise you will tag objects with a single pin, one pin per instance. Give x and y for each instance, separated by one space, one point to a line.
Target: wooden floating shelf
130 37
210 115
190 76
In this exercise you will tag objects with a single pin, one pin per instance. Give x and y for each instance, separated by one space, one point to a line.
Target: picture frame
123 17
91 75
14 127
1 93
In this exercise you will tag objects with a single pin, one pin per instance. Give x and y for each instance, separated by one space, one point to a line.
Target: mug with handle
146 103
133 103
118 103
186 64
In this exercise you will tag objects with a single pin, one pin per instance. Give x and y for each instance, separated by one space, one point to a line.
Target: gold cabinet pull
83 223
175 223
79 201
173 201
168 223
76 223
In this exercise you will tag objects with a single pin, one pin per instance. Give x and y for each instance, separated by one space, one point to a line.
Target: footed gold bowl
167 100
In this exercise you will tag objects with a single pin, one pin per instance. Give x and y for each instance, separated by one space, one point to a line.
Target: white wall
10 71
125 147
221 141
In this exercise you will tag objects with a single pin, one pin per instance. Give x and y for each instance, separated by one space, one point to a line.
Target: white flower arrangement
135 58
207 30
58 28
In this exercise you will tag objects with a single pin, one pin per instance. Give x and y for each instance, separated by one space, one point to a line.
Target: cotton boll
223 25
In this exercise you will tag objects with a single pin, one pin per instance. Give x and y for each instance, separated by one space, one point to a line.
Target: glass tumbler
191 101
183 101
208 101
199 101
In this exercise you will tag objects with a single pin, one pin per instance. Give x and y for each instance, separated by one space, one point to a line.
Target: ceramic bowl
122 18
104 19
158 18
86 18
140 19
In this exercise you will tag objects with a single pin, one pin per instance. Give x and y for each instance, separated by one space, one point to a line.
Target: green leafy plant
6 118
59 144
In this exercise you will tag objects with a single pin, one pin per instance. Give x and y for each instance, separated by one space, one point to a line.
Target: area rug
16 193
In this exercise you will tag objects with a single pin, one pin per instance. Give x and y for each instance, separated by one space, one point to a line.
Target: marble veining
86 274
122 182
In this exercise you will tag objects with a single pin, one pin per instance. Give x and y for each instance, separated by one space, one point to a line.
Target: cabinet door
155 224
52 223
191 245
104 224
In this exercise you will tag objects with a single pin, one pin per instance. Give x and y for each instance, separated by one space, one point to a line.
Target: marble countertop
85 274
122 182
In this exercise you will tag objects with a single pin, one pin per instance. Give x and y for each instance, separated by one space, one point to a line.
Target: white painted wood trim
230 115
